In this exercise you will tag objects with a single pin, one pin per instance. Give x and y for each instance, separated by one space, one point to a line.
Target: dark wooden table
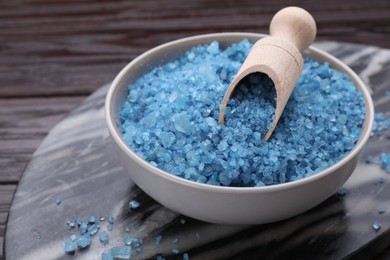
55 53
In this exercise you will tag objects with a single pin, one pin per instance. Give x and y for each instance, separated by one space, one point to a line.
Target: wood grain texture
54 53
6 193
68 47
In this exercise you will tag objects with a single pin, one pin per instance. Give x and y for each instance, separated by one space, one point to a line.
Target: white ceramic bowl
228 205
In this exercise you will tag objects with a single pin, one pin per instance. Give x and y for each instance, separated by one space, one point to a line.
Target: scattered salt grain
175 251
134 242
382 210
73 238
376 225
186 256
83 241
91 219
93 229
109 227
58 200
341 192
103 237
69 247
133 204
110 219
120 253
383 160
158 239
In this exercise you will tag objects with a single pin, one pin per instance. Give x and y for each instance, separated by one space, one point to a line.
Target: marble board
76 162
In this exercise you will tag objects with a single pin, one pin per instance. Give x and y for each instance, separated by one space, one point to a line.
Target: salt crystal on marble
118 253
69 247
376 225
133 204
83 241
103 237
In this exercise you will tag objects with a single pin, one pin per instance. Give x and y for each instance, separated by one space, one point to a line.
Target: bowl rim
117 136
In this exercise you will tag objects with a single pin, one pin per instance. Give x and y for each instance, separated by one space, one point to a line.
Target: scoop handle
295 25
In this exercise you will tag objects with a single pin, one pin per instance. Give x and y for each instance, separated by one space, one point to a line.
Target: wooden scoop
279 56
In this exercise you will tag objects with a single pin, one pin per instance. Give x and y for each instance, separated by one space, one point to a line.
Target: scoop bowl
228 205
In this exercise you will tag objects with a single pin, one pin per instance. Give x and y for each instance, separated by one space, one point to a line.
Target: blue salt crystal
133 241
342 191
83 228
385 159
79 220
158 239
69 247
376 225
93 229
167 139
186 256
91 219
107 256
71 224
58 200
83 241
182 123
133 204
382 210
175 251
213 48
118 253
73 238
160 257
109 227
103 237
110 219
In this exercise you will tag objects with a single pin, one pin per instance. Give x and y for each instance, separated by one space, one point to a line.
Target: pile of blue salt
170 120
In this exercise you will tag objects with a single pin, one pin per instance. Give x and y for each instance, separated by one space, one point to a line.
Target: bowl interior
173 50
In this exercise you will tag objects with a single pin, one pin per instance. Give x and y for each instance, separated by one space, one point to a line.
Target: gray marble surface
76 162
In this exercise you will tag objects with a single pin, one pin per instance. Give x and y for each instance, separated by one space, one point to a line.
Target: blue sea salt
93 229
376 225
58 200
69 247
385 160
73 238
170 118
118 253
134 242
341 192
158 239
133 204
83 241
103 237
83 228
91 219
